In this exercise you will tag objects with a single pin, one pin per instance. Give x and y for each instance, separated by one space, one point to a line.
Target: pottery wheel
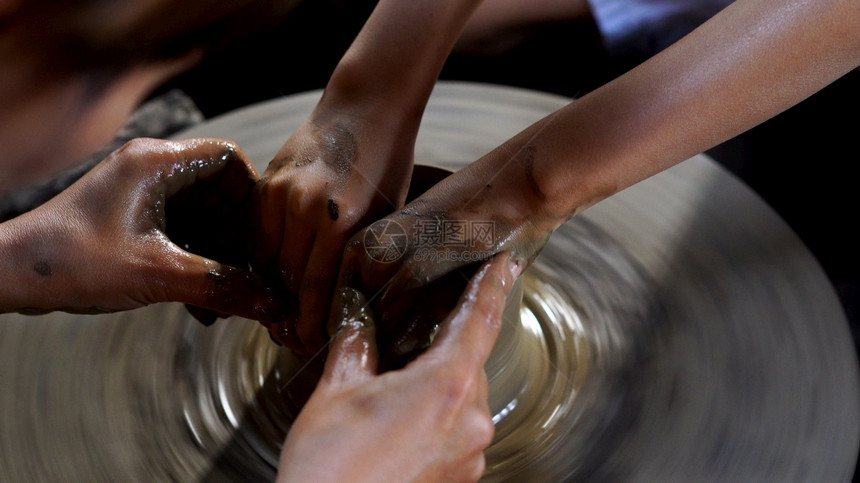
677 331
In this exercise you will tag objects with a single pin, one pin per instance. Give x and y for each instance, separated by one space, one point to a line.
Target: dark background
801 162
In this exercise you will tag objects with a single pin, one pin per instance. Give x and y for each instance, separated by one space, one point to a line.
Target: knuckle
355 246
268 190
477 468
341 231
484 431
227 147
132 156
350 216
134 147
299 200
455 387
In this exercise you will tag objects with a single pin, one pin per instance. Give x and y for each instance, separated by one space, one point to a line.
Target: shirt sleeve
622 22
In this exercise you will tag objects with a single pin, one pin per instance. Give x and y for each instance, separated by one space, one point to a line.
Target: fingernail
516 265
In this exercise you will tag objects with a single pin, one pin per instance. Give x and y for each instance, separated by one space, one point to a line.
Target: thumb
353 356
207 284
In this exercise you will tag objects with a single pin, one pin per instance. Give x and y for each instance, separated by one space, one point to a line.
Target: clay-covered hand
429 421
333 176
350 163
414 263
101 245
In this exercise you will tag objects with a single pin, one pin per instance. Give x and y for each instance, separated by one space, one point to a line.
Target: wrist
37 273
349 94
15 278
396 58
510 182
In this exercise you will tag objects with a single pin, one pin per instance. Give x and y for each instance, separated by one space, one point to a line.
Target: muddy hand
427 422
332 177
100 246
414 264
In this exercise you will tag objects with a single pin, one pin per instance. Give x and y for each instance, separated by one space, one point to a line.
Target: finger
202 158
283 333
421 271
422 287
361 271
212 218
469 333
482 394
474 470
316 289
269 226
352 353
479 429
238 177
287 277
294 254
204 283
178 164
412 318
347 278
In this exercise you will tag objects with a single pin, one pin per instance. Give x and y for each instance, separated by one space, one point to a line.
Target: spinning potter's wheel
678 331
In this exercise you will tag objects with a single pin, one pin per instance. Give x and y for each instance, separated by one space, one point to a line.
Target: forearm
375 99
395 60
752 61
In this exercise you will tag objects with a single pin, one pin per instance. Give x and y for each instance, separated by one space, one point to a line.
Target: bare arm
395 60
747 64
744 66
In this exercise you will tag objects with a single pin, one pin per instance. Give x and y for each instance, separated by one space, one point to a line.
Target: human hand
334 175
350 163
413 264
429 421
100 246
